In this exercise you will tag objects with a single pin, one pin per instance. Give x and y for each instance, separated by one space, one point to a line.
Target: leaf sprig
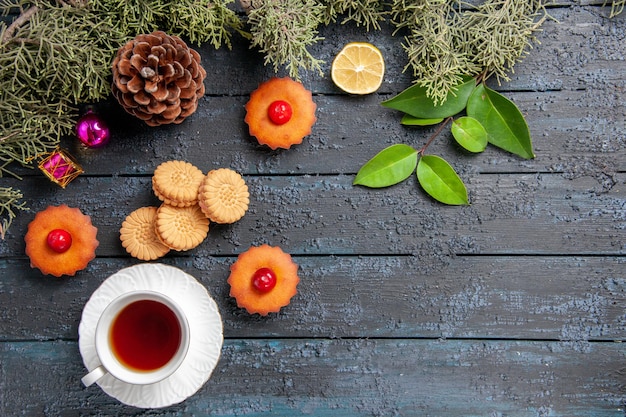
491 118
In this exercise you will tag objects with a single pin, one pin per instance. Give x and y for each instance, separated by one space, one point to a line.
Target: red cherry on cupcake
279 112
59 240
264 279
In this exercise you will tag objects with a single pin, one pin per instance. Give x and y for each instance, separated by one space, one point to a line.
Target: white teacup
141 338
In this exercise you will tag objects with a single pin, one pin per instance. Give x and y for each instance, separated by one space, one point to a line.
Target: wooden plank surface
480 297
521 214
287 377
513 306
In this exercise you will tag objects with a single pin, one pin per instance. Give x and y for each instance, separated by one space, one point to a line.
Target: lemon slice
358 68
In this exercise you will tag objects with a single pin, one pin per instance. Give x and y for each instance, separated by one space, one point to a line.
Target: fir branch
200 21
498 34
368 13
30 126
437 62
408 13
63 52
449 39
9 205
21 20
283 30
205 22
132 17
617 7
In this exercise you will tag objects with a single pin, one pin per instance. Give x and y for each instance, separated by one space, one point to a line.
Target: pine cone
157 78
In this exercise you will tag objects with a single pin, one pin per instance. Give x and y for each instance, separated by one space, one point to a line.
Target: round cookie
138 235
223 196
181 228
176 183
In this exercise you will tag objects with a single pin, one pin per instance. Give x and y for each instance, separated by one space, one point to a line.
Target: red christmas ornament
92 131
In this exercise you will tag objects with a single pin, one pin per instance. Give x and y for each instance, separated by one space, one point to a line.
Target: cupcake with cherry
263 279
61 241
280 113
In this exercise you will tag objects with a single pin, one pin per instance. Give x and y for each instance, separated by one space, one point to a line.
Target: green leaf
409 120
469 133
440 181
390 166
505 125
415 102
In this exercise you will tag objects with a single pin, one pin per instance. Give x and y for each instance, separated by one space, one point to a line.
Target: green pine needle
10 203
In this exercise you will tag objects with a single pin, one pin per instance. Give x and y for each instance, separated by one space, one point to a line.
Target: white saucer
205 325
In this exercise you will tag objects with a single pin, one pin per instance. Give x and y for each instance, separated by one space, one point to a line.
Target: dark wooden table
512 306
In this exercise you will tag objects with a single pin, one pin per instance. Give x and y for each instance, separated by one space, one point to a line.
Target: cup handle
93 376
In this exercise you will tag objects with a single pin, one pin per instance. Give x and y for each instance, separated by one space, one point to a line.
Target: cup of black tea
142 337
